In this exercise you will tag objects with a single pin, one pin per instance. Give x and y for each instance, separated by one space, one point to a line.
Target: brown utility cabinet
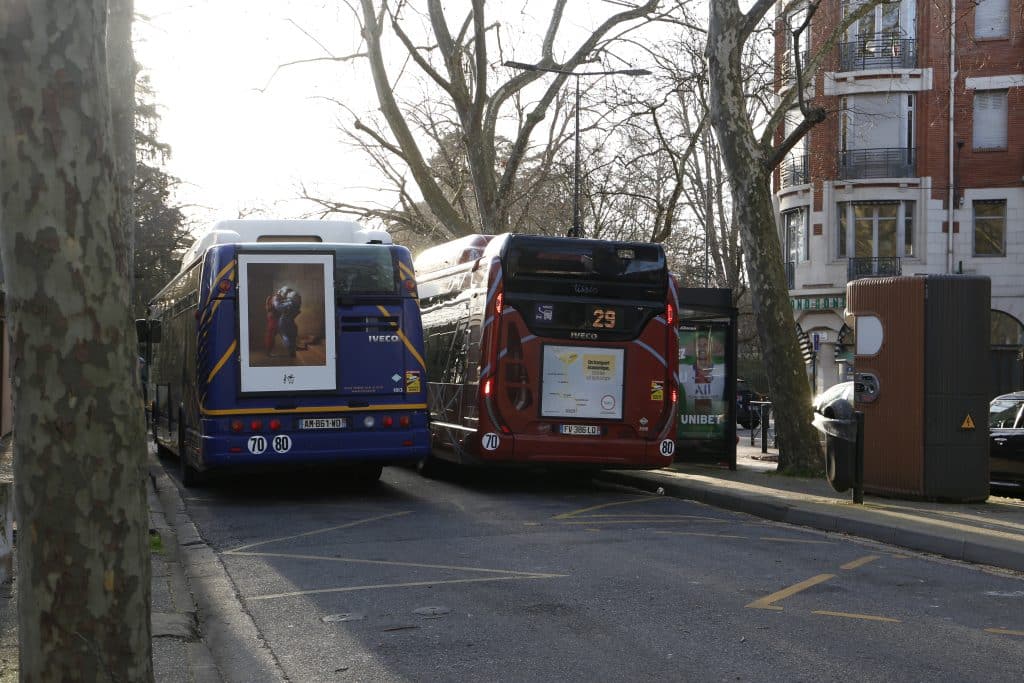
922 381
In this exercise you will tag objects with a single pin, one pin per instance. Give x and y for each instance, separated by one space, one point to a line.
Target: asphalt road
517 577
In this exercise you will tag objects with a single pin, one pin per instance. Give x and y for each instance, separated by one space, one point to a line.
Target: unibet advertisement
702 408
582 382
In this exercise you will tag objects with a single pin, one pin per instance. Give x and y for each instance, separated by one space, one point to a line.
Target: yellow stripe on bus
407 270
405 340
314 409
210 311
222 361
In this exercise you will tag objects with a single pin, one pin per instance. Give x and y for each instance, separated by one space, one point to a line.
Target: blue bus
288 343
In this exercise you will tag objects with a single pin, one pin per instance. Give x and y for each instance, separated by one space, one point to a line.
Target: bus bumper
314 448
600 452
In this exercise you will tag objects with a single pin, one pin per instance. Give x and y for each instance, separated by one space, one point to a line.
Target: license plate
580 430
322 423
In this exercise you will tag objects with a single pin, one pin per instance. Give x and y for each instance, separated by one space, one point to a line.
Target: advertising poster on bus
582 382
702 369
286 322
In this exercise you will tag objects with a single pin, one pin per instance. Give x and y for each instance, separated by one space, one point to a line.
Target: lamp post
577 230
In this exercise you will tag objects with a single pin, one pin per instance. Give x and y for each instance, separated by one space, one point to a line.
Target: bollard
764 430
858 461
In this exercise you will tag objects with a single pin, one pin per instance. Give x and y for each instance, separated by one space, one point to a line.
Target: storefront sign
819 303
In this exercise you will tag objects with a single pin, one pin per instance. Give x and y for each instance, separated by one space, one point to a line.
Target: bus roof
449 254
260 230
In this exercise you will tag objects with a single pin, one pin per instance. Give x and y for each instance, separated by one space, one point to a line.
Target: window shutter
990 119
992 19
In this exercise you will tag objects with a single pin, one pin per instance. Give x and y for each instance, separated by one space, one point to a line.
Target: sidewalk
179 654
990 533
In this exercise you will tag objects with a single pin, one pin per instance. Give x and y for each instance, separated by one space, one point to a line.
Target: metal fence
882 162
878 51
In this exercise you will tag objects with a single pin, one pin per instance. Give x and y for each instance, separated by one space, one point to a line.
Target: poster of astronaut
286 322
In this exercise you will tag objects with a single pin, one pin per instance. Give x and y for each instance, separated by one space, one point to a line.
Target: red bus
549 351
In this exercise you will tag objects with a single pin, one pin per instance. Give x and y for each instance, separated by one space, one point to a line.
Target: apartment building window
795 224
989 119
992 19
876 136
990 227
875 230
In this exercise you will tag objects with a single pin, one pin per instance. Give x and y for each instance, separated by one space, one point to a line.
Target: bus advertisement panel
286 343
550 350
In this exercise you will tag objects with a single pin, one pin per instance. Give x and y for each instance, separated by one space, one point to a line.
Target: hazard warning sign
968 422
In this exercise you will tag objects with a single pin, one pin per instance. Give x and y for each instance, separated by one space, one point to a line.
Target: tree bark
83 557
750 180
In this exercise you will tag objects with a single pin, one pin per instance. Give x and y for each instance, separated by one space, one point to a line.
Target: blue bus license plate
322 423
580 430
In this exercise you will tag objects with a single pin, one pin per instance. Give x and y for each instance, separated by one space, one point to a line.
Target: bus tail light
256 425
675 394
275 425
387 421
237 426
670 314
499 303
368 422
487 387
404 421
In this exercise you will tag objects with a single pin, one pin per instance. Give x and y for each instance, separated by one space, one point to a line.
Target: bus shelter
706 431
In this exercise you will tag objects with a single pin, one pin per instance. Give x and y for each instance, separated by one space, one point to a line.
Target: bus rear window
364 270
629 262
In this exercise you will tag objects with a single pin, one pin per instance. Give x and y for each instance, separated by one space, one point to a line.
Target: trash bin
834 417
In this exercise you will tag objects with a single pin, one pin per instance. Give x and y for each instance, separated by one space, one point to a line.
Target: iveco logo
583 335
383 338
584 289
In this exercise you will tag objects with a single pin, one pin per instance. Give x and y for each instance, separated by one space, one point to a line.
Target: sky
244 133
242 137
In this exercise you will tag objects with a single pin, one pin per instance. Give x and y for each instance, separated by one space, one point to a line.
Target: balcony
882 266
878 51
793 170
882 162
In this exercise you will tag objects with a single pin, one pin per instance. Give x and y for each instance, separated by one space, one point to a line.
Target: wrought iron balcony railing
882 266
878 51
883 162
793 170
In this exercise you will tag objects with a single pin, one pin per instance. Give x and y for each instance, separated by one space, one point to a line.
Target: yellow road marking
859 563
317 531
411 584
577 513
1004 632
850 615
766 602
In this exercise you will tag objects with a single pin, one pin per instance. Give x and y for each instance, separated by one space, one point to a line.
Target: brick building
901 157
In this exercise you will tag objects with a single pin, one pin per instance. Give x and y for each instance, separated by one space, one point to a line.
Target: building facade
912 171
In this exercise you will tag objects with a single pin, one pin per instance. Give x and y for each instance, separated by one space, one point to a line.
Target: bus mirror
154 331
142 330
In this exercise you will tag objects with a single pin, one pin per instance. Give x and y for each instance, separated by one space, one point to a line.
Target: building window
992 19
990 119
990 227
795 223
873 230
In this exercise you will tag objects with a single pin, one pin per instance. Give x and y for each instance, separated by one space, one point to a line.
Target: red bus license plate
580 430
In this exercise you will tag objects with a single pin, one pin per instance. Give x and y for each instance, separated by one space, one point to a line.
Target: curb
240 652
987 548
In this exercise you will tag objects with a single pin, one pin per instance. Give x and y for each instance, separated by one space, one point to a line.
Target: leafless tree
751 154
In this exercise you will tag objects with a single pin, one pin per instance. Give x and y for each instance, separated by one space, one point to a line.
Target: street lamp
577 230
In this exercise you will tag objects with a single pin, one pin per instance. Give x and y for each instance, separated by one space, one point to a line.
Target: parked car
836 402
1006 442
